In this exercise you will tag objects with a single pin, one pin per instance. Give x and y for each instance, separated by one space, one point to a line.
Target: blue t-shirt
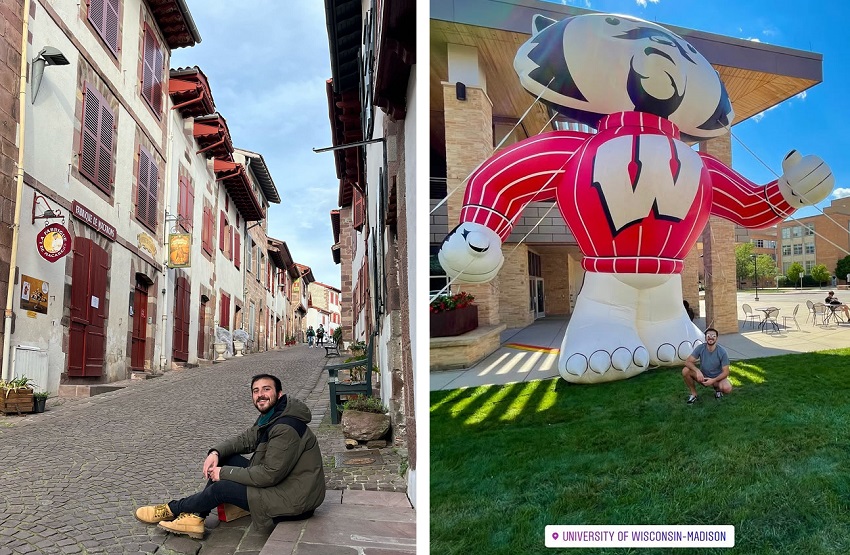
711 364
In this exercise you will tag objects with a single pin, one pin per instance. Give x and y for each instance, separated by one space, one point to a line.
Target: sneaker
718 394
153 514
692 399
187 524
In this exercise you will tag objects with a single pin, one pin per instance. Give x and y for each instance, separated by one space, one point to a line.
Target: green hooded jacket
286 476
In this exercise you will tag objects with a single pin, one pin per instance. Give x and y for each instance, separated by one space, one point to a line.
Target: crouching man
713 368
284 480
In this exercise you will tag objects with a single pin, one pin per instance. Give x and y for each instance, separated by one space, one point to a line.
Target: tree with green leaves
842 268
820 274
744 261
767 269
794 271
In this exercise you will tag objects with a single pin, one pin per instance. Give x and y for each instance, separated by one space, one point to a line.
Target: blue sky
811 123
267 63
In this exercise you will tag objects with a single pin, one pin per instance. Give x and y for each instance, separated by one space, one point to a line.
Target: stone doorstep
79 391
350 521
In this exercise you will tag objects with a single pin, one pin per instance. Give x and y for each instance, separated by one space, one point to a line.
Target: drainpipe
163 358
13 261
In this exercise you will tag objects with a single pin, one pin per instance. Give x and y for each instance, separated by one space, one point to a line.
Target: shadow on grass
770 458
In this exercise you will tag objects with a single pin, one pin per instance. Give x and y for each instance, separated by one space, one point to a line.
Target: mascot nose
478 242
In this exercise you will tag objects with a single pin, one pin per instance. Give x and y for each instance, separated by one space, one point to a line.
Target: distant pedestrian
284 480
310 335
320 335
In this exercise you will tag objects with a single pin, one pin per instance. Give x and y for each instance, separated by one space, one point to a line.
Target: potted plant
39 399
17 395
453 314
365 418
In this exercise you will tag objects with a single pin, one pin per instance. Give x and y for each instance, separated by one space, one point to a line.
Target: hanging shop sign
93 221
179 249
53 242
34 294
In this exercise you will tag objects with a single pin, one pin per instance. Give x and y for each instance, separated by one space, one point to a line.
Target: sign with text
179 249
34 294
53 242
93 221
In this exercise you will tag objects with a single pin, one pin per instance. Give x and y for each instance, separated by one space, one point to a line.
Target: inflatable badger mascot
634 194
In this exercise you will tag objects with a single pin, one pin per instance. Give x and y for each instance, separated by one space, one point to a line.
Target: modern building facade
476 101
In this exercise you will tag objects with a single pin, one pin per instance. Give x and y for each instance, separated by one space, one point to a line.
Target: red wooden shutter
153 189
103 15
224 319
357 211
221 231
90 141
237 257
190 206
207 230
152 71
96 332
104 150
142 191
181 319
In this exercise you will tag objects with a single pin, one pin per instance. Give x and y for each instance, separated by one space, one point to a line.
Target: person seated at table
835 304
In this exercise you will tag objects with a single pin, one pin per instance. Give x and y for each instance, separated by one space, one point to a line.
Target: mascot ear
539 22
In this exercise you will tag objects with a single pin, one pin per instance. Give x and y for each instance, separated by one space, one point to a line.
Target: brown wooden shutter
90 140
103 15
153 190
357 211
190 205
156 100
224 319
221 224
181 318
149 67
104 152
142 189
237 257
207 230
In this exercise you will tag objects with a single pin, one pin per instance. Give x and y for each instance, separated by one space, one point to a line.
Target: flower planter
16 401
454 322
39 404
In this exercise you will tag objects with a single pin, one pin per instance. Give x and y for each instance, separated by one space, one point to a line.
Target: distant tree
794 271
767 269
744 261
820 274
843 268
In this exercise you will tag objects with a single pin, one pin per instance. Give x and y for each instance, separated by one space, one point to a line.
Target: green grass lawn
772 459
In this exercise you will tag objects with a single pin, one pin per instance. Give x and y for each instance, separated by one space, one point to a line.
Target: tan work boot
153 514
188 524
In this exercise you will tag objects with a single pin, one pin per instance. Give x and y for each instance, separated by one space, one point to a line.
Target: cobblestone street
72 477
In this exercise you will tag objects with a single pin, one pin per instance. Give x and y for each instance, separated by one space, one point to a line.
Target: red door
181 319
140 326
87 341
202 328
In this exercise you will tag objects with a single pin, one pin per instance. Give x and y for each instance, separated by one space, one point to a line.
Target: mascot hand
472 253
805 179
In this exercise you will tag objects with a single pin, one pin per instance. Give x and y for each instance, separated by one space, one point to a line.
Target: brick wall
513 287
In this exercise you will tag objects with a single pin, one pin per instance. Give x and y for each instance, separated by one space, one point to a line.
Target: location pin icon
554 535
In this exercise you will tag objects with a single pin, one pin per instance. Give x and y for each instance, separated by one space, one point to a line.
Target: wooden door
140 326
202 328
181 319
87 341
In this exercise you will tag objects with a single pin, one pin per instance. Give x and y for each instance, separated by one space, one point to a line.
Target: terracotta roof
213 137
175 22
236 183
190 92
258 165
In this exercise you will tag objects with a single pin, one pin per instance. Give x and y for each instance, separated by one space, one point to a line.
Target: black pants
215 493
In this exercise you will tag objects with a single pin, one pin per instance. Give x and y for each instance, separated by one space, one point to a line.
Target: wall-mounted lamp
460 91
48 56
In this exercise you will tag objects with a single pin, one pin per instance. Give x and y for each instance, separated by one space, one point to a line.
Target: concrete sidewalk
531 353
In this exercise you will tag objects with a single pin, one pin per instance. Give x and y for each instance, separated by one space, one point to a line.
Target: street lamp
801 281
756 273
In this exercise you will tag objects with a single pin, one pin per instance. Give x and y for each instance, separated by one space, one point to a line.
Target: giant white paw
594 357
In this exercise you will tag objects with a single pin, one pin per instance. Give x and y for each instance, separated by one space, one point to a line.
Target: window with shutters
185 203
237 257
98 128
152 66
249 254
104 17
146 193
358 210
207 230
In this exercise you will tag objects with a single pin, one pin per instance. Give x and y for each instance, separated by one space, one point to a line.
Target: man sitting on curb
284 480
713 368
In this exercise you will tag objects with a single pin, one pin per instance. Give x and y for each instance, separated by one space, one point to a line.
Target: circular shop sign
53 242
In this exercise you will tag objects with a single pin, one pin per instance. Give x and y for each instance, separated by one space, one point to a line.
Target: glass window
809 265
810 248
798 249
785 267
797 231
786 250
810 229
786 232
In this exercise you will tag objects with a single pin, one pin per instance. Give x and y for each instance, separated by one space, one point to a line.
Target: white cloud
642 3
758 117
841 192
801 96
752 39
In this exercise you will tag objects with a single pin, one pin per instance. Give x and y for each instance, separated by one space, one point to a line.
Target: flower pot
454 322
39 404
238 347
220 349
16 401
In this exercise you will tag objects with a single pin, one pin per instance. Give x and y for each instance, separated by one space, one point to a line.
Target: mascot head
589 66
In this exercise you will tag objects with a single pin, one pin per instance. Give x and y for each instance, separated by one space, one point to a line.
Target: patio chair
749 316
770 316
818 312
811 306
793 318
